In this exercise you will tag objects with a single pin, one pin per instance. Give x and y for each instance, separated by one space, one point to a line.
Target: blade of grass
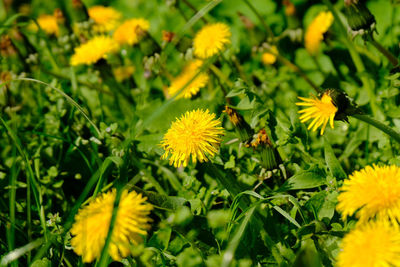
228 256
69 220
12 202
19 252
67 97
30 177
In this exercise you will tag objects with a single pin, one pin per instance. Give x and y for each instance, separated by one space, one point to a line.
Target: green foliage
69 133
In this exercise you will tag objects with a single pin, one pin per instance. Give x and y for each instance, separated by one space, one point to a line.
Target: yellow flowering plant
199 133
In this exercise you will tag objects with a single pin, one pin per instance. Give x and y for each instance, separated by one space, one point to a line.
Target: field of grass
199 133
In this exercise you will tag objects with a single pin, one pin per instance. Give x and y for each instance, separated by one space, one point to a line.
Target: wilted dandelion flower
129 32
376 243
93 50
321 111
189 75
92 223
105 18
269 58
316 30
371 192
48 23
195 134
211 39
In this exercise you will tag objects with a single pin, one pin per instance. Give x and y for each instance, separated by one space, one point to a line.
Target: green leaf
324 204
328 207
160 238
41 263
234 242
308 255
287 216
164 201
304 180
332 162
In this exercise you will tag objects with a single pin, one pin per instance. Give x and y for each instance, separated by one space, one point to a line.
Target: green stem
355 57
260 18
194 9
385 52
220 75
299 71
379 125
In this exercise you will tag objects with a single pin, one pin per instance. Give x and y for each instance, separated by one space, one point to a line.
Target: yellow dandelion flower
321 111
371 192
92 223
195 134
105 18
376 243
48 23
130 31
211 40
123 73
270 58
189 75
93 50
315 31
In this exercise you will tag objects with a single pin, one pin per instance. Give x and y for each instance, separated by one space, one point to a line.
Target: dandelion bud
360 19
243 130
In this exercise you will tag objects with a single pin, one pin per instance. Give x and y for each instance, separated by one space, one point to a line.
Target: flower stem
355 57
379 125
220 75
385 52
192 7
265 25
297 69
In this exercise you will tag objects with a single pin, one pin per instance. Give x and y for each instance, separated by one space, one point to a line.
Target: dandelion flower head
315 32
195 135
94 50
105 18
129 32
189 74
373 192
321 111
376 243
269 58
48 23
211 40
92 223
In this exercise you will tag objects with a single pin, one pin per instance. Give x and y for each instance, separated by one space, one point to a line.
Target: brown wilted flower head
261 138
167 36
242 128
350 2
5 76
7 48
290 9
77 4
246 21
59 16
